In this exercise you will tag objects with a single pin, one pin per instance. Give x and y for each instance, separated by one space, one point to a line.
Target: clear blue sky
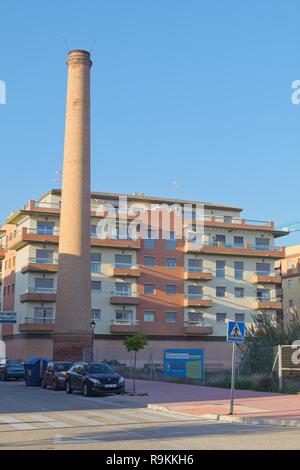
194 91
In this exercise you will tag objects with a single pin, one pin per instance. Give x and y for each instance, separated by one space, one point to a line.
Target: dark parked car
94 378
11 369
55 375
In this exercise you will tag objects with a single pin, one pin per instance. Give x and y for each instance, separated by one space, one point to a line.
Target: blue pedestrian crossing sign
236 331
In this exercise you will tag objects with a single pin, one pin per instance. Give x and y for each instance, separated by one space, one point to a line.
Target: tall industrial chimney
73 302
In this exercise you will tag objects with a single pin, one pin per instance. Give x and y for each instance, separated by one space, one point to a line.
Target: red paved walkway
199 400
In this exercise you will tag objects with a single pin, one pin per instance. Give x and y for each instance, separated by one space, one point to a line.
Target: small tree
135 343
265 333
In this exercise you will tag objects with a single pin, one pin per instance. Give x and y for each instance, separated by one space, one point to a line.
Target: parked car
12 369
94 378
55 375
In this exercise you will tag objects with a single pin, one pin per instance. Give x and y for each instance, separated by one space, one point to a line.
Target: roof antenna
66 43
93 46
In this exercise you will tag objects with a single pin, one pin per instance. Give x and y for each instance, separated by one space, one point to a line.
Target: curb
234 419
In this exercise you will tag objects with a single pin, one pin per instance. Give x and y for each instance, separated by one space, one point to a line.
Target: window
263 269
95 262
290 284
239 317
44 256
171 317
291 303
43 284
220 268
94 230
96 286
220 291
96 314
149 260
195 291
239 292
171 243
219 238
171 289
239 270
227 219
4 292
195 317
263 295
124 316
123 261
149 243
149 288
43 315
123 289
262 243
221 317
171 262
45 227
194 265
149 316
12 288
8 290
238 241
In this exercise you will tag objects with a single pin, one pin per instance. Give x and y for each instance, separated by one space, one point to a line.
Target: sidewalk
213 403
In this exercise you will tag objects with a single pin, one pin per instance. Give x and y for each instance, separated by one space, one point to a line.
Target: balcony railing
125 266
40 290
124 322
124 294
42 260
267 273
39 321
52 205
197 323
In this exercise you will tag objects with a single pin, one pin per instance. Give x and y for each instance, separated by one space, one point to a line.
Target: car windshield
62 367
98 369
13 361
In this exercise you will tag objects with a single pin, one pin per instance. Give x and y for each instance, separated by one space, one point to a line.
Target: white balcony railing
36 320
124 322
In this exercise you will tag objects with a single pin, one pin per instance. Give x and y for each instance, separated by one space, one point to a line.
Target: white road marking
15 423
81 419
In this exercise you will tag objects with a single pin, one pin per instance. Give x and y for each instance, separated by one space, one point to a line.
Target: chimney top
79 56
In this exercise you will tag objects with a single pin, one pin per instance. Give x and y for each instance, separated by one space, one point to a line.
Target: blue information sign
236 331
187 363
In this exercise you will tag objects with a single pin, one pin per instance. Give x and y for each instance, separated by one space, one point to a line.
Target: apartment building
289 269
179 294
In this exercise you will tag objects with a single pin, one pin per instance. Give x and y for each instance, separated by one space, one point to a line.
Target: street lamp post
93 324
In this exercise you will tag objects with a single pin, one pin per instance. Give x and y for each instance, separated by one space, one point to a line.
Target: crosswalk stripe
81 419
59 424
16 423
110 416
40 418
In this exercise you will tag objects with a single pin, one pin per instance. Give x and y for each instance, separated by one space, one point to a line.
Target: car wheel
55 385
69 389
44 385
85 390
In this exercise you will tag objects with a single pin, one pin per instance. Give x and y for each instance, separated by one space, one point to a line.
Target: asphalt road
32 418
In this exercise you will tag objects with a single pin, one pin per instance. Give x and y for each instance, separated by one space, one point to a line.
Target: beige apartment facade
179 295
289 269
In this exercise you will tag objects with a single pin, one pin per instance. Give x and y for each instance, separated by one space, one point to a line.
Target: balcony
124 326
37 294
268 303
32 235
37 325
197 275
266 278
197 301
197 328
115 242
124 298
247 249
123 269
41 265
2 252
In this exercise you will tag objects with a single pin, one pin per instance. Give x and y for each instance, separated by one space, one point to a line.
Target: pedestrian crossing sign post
235 334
